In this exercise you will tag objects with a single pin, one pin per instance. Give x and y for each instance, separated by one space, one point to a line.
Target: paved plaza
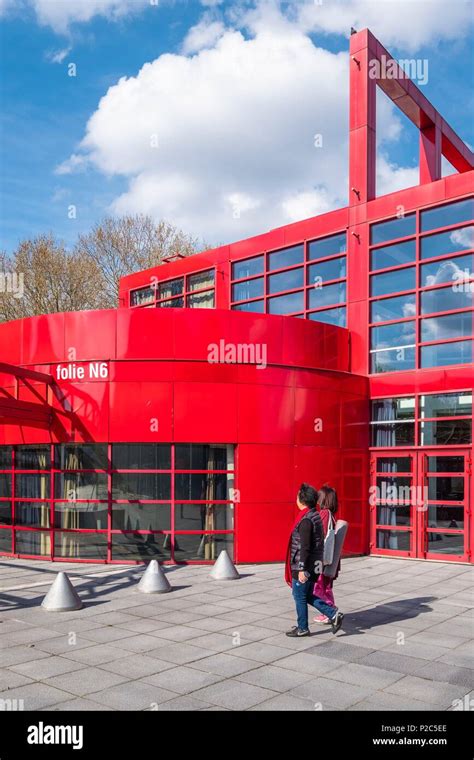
407 642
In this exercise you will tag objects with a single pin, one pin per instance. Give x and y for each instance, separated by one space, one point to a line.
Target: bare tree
42 277
120 246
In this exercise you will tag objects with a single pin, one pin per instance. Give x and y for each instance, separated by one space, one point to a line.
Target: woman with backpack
323 588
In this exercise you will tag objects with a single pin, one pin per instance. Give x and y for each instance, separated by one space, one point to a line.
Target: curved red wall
303 417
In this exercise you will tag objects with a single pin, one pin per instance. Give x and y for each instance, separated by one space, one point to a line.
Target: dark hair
308 495
327 498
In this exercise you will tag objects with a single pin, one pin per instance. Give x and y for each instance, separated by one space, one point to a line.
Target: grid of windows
426 420
117 502
421 289
196 291
305 280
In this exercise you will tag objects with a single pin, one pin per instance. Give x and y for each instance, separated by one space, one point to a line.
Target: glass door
419 504
393 504
442 522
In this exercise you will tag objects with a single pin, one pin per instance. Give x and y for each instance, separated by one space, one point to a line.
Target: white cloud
234 126
407 24
203 35
60 14
58 56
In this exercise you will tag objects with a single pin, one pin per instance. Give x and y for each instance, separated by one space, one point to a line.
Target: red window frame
185 294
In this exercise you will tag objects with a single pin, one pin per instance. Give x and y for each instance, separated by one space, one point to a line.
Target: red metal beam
26 374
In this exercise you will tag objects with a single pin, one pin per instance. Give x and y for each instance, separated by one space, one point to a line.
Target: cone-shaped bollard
62 596
154 580
224 569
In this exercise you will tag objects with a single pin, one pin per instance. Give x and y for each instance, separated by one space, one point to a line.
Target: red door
419 504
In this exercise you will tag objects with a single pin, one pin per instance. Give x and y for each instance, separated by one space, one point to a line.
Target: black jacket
307 545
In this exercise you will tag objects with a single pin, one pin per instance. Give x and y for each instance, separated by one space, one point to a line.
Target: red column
362 119
430 154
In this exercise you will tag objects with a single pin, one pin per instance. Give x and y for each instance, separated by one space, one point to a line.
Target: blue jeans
303 595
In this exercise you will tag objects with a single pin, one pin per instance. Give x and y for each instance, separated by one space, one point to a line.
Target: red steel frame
309 459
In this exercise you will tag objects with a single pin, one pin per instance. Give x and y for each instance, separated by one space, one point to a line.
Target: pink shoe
322 620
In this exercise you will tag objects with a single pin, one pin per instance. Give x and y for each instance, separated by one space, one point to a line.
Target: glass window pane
329 246
204 517
6 541
247 268
290 280
393 515
36 543
247 289
203 486
80 545
286 257
201 280
394 540
201 300
5 457
142 296
444 354
194 456
388 409
394 489
32 514
255 306
198 547
32 457
445 464
444 299
32 486
171 288
393 255
393 435
452 326
81 486
330 316
458 269
5 513
393 282
86 456
444 216
333 269
445 543
138 517
445 433
446 405
130 547
327 295
393 464
393 308
449 488
398 334
5 485
395 228
445 516
141 456
289 304
146 486
394 360
71 515
173 303
447 242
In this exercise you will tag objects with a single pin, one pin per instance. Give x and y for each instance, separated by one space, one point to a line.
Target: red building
338 349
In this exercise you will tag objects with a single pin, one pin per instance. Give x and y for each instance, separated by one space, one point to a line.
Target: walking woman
304 563
323 588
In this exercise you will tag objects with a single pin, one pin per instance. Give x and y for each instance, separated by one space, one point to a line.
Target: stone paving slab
211 645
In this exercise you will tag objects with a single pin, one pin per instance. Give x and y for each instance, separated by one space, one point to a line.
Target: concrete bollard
62 596
224 569
154 580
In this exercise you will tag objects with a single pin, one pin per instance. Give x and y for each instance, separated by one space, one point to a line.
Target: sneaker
322 620
297 632
336 621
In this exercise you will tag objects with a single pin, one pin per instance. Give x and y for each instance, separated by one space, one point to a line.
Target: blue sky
234 109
